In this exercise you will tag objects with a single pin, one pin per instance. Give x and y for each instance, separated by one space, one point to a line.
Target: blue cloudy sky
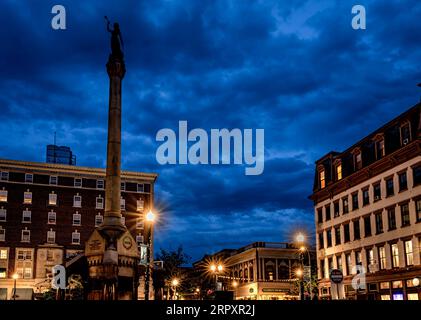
294 68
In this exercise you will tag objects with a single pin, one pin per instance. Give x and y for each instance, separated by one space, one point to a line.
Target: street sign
336 276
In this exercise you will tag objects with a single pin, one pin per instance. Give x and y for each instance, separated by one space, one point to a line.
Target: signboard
336 276
143 248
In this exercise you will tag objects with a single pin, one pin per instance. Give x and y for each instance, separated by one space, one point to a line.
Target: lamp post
174 284
15 277
150 218
299 274
301 239
215 269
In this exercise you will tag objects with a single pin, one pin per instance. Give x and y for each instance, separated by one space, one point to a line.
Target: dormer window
379 145
358 163
339 172
405 134
322 179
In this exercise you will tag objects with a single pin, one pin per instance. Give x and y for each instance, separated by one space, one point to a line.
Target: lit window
2 234
99 202
75 237
322 179
100 184
26 216
382 257
385 297
77 219
123 186
395 255
77 201
370 258
53 180
358 161
4 176
409 253
51 236
122 204
140 187
52 199
339 172
380 152
98 220
78 183
3 195
405 134
3 254
51 217
24 264
139 205
418 210
412 296
139 223
27 197
123 220
3 214
26 235
29 178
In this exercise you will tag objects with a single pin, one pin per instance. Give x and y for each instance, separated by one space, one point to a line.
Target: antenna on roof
55 146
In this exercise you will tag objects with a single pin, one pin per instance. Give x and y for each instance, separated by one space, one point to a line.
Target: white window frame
139 239
100 204
409 256
26 214
52 199
140 224
7 254
25 236
53 180
123 186
140 187
77 204
4 176
31 180
27 197
50 215
3 195
77 217
140 205
77 184
98 183
122 203
97 223
3 214
51 234
76 236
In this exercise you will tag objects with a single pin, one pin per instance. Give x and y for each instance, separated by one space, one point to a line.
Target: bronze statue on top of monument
116 39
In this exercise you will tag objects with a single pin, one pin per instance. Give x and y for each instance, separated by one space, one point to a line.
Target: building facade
60 155
367 205
48 211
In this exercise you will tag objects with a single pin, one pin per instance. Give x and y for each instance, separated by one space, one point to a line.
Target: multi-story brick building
48 211
367 204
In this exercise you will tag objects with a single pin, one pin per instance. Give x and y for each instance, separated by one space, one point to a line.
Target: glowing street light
299 273
300 238
174 282
150 216
213 268
235 284
220 267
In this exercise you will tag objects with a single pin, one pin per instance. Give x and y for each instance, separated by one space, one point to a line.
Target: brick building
48 211
367 205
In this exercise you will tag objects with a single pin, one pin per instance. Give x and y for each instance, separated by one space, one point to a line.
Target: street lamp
150 218
300 239
174 284
15 276
216 269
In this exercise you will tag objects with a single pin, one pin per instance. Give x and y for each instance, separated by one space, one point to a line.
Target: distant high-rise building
60 154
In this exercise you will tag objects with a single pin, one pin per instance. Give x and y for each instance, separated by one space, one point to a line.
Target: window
417 175
78 183
139 223
418 210
319 215
140 187
403 183
100 184
139 239
75 237
380 152
24 264
370 259
2 234
384 285
330 264
329 238
339 172
51 236
405 215
358 258
123 221
357 234
4 176
348 263
409 255
337 235
385 297
327 211
27 197
367 226
77 219
377 192
77 201
52 199
397 284
322 179
322 268
379 223
345 205
339 262
347 236
3 254
391 218
355 201
336 209
98 219
389 187
51 217
358 164
99 202
122 204
405 134
321 241
3 195
366 197
26 216
412 296
53 180
25 235
395 255
3 214
140 204
382 258
123 186
29 178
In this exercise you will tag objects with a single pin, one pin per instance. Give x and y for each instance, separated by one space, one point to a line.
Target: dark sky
294 68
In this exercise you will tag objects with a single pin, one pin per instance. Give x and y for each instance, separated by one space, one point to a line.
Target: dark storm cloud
294 68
